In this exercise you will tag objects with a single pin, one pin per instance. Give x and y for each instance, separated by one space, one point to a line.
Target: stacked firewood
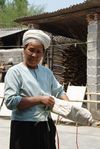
75 66
67 60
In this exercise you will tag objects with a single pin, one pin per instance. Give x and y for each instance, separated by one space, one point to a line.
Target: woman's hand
28 102
47 100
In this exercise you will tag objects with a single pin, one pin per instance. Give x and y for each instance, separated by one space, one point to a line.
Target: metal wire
64 44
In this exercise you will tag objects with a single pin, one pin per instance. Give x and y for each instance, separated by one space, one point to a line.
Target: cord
77 145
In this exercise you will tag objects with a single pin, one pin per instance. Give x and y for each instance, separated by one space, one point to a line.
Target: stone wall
6 55
93 62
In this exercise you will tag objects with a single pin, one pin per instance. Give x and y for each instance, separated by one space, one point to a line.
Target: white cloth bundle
77 114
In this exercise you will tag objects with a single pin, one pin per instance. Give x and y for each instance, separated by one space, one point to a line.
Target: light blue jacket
22 81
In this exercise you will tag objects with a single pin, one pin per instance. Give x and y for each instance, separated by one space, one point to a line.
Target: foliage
11 10
2 3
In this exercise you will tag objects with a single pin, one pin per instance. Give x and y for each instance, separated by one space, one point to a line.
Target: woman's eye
31 50
39 51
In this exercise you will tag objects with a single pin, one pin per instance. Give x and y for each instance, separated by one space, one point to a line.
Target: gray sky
53 5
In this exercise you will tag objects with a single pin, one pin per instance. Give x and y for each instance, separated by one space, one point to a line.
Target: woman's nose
33 54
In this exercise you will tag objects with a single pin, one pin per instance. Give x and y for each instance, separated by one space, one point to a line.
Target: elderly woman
29 91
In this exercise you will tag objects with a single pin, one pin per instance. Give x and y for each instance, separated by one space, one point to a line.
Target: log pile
67 61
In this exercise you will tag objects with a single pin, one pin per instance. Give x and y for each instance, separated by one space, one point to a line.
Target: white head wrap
38 35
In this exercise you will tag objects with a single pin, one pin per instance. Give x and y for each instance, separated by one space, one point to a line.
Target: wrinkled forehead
35 45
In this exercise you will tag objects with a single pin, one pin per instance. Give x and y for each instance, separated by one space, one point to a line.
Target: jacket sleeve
12 89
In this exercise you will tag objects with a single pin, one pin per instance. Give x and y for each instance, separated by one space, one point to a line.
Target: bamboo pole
87 101
92 93
1 97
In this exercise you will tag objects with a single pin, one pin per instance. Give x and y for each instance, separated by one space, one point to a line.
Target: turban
38 35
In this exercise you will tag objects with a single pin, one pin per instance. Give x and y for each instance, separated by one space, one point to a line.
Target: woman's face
33 53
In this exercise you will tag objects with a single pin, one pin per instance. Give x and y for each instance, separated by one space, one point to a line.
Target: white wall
16 54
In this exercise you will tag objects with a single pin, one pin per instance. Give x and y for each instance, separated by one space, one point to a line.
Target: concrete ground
88 137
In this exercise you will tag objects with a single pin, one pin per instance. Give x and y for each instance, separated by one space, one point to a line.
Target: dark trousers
32 135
